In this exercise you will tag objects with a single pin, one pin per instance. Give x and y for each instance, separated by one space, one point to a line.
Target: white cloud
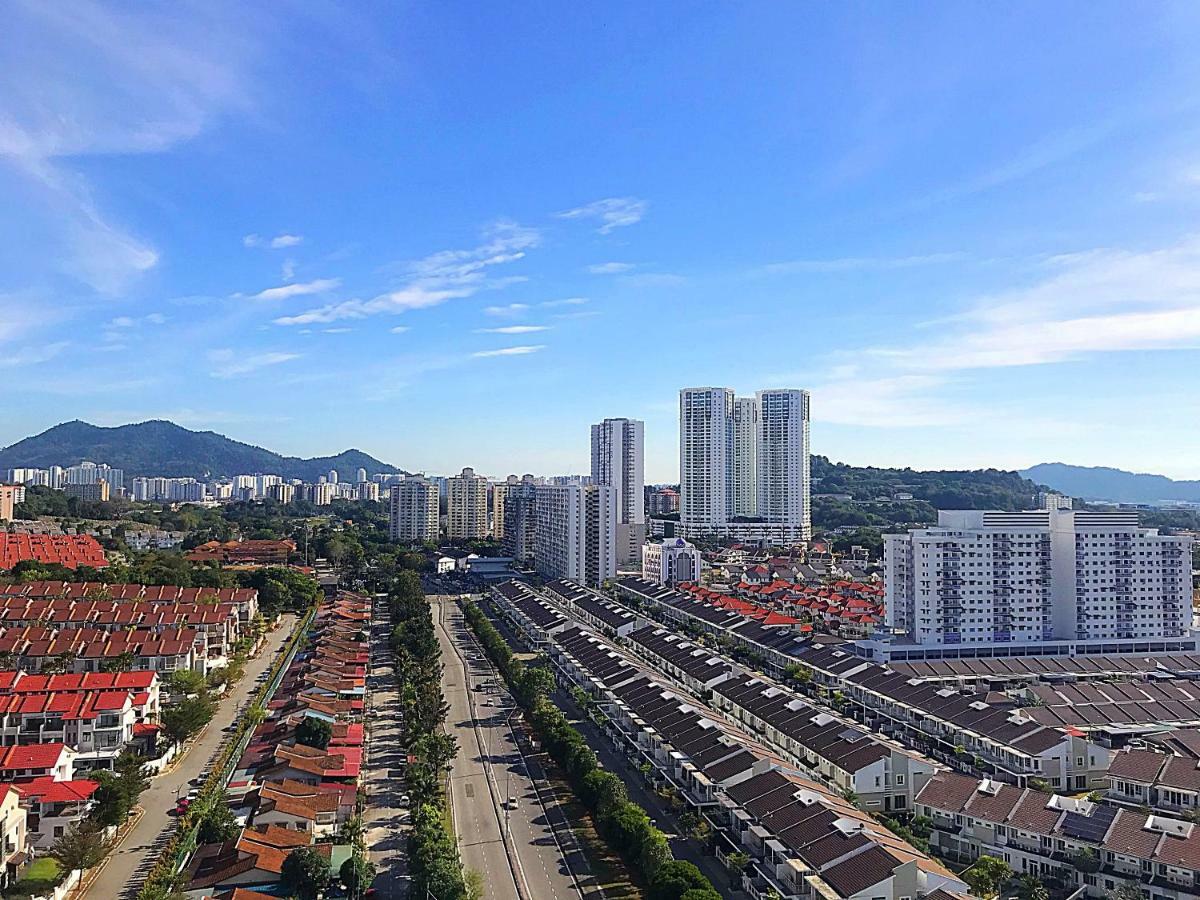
512 309
227 364
613 212
303 288
513 329
285 240
336 330
569 301
287 271
30 356
511 351
399 329
609 268
859 263
434 279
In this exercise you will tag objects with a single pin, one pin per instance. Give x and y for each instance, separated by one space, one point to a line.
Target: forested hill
164 448
976 489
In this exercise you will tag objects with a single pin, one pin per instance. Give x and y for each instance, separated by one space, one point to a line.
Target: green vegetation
80 847
623 824
314 732
305 873
987 876
39 879
119 789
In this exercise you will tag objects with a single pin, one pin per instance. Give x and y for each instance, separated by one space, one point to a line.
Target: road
384 817
542 854
122 875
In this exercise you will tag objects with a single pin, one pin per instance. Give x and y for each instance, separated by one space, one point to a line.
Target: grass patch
40 877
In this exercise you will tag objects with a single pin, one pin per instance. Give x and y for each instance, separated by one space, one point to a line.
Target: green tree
184 719
987 876
217 823
305 873
314 732
183 682
735 865
1127 891
1031 888
676 878
80 847
356 874
122 662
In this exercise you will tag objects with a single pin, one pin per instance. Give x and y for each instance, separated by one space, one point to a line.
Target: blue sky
456 234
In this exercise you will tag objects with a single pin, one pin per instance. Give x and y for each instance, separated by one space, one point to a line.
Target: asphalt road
386 816
548 860
126 868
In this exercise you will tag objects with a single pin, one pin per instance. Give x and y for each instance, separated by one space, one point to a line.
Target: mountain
164 448
1117 485
961 489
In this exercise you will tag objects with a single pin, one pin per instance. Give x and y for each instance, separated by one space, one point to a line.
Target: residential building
1070 580
366 491
618 460
281 493
705 457
95 491
467 510
520 520
413 510
13 836
53 807
576 532
361 475
69 550
320 494
499 495
8 500
1051 500
745 456
782 474
662 502
90 473
670 561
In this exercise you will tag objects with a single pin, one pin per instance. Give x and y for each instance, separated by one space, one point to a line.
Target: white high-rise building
467 510
984 581
619 460
332 477
576 532
520 520
414 510
705 457
745 456
362 475
783 473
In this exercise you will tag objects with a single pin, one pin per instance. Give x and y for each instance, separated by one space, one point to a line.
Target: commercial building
1070 582
467 512
413 510
618 460
576 533
733 448
670 561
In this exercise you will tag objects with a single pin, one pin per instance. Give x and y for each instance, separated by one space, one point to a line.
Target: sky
456 234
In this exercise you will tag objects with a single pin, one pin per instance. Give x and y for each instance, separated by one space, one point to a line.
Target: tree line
623 824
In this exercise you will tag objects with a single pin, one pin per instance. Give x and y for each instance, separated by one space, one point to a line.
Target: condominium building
662 502
414 510
320 494
367 491
282 493
467 509
362 475
723 460
670 561
499 495
520 520
705 456
745 456
576 532
96 491
90 473
618 460
782 474
1083 581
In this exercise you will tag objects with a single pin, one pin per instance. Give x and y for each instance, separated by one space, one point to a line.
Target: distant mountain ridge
1103 483
163 448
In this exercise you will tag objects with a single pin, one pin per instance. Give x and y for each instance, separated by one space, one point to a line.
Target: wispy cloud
513 329
609 268
336 330
434 279
299 289
399 329
568 301
859 263
613 212
228 364
511 351
653 280
512 309
30 356
279 242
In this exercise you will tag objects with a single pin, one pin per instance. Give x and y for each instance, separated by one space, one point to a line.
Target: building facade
705 457
994 579
670 561
520 521
745 456
783 474
618 460
413 510
467 508
576 534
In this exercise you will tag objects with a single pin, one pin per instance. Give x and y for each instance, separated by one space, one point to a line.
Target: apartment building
618 460
467 506
499 496
782 474
576 534
8 500
413 512
520 520
705 457
1070 581
745 456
